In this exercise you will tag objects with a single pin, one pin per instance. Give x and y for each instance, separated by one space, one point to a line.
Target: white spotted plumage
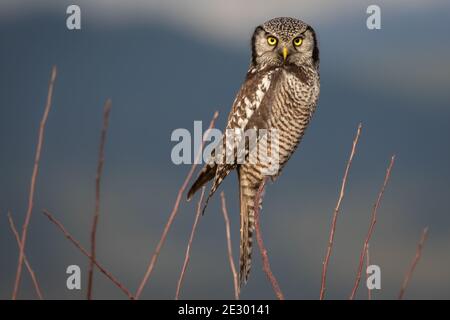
279 92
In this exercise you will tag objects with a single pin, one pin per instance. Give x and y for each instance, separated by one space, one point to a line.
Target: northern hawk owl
280 92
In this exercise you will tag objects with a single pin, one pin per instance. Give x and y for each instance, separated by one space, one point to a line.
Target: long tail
247 195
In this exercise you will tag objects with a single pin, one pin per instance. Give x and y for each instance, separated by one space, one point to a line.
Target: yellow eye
297 41
271 41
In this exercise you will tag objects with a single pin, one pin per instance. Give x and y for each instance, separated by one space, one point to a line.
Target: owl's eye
297 41
272 41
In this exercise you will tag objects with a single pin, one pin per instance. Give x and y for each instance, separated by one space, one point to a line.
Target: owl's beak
285 53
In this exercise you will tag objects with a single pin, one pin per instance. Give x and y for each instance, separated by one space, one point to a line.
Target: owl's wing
251 109
253 94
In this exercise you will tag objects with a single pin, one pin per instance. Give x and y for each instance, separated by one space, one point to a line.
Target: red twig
33 182
230 251
371 228
336 213
262 249
188 249
369 291
86 253
174 212
27 264
416 259
101 160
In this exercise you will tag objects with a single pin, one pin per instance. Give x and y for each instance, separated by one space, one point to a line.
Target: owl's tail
247 195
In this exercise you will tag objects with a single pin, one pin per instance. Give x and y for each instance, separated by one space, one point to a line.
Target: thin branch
33 182
262 249
336 213
416 259
174 212
27 264
188 249
371 228
86 253
369 291
101 160
230 252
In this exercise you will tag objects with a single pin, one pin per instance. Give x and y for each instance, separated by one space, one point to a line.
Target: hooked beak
285 53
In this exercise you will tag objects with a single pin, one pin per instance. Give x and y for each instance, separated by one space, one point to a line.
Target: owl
280 93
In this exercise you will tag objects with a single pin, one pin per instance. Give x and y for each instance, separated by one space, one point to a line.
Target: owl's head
284 41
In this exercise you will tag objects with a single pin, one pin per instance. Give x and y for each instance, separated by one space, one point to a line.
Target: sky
166 64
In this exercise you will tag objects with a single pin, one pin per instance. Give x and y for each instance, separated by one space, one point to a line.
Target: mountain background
165 64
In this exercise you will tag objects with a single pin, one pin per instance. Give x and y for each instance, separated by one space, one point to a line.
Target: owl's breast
301 86
294 103
297 92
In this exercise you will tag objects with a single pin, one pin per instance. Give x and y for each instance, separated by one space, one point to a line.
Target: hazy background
166 64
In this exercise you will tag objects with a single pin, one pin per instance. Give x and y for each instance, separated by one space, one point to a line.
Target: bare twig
336 213
86 253
369 291
174 212
416 259
371 228
262 249
33 182
101 160
230 251
27 264
188 249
